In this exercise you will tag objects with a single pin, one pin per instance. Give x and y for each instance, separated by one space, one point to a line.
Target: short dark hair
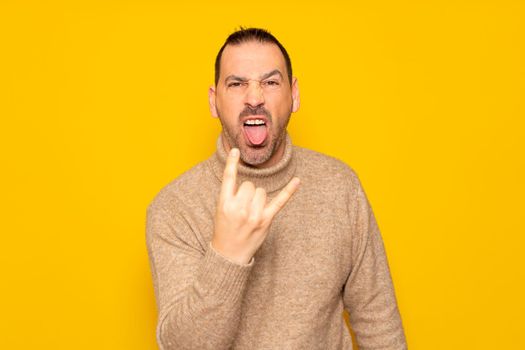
244 35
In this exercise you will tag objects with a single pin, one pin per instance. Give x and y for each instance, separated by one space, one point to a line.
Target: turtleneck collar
271 179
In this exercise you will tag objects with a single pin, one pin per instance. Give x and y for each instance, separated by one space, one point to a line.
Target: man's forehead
251 58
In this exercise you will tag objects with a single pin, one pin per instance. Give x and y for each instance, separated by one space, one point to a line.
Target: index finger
280 200
230 174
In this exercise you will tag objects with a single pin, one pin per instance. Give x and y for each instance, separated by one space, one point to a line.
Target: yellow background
104 102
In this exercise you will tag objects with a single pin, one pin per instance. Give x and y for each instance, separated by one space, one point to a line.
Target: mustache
260 110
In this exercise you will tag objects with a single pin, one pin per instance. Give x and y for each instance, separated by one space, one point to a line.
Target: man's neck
272 178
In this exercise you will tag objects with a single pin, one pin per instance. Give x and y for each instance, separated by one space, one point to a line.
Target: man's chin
255 156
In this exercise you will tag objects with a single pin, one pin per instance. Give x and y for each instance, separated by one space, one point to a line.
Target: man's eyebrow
235 77
264 76
269 74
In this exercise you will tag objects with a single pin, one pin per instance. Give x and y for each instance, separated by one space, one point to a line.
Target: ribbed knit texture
323 253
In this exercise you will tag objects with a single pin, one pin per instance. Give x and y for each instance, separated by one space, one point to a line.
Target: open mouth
255 131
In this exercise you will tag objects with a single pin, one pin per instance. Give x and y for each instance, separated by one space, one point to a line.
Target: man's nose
254 94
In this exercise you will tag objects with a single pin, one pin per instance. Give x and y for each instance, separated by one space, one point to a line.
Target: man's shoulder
183 187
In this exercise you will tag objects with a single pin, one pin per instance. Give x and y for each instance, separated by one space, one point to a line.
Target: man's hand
243 217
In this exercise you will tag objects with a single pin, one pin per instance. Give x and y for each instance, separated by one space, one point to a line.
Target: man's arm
369 293
198 294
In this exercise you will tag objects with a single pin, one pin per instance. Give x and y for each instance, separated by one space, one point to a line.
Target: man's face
253 88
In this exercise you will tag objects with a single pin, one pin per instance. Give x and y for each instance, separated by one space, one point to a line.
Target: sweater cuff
223 278
250 263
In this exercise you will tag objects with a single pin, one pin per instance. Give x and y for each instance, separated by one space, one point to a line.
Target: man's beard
255 155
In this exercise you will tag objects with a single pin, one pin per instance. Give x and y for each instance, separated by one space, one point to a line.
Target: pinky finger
280 200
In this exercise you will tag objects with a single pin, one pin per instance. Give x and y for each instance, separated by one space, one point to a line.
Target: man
264 244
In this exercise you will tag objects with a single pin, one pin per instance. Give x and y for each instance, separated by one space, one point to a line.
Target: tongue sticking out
256 134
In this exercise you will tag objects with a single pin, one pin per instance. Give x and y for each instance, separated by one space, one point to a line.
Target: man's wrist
229 257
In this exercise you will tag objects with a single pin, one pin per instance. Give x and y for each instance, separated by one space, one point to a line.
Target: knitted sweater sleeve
369 293
198 293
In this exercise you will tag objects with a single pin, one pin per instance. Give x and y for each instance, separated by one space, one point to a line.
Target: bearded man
265 244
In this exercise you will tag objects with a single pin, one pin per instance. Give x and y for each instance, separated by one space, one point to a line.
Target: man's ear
296 101
211 100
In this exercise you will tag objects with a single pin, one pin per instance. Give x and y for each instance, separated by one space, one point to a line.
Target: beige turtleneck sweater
323 253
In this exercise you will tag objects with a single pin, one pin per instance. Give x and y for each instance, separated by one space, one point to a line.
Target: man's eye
271 83
235 84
